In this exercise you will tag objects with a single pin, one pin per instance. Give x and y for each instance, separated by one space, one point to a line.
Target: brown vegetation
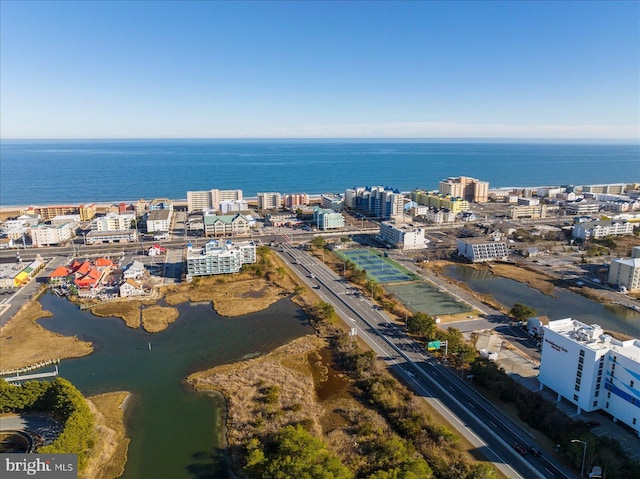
110 450
158 318
23 342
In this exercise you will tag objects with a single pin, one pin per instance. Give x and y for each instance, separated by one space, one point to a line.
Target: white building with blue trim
592 370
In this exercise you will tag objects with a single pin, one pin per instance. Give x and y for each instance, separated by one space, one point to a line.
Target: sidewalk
525 371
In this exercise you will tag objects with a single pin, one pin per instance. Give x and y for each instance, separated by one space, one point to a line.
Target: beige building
269 201
210 199
470 189
528 211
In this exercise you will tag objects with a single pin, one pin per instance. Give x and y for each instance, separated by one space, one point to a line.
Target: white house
134 270
131 287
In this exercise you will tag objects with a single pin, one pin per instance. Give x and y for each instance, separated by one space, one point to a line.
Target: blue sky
457 69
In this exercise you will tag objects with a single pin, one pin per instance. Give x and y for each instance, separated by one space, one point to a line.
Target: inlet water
563 303
174 430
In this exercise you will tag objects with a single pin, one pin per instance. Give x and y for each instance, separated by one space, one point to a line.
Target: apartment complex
480 249
293 200
376 201
528 211
403 236
625 273
327 219
226 225
159 221
47 235
210 199
220 258
592 370
113 222
332 202
111 236
432 199
470 189
601 229
47 213
269 201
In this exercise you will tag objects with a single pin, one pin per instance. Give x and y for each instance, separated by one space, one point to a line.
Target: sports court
426 298
378 267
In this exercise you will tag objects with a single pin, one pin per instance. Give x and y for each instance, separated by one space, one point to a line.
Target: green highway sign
433 345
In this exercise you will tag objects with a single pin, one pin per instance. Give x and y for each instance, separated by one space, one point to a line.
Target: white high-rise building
592 370
210 199
269 201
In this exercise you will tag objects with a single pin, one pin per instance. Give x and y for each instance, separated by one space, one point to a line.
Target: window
634 421
577 388
595 403
575 397
596 395
608 395
607 405
631 384
582 353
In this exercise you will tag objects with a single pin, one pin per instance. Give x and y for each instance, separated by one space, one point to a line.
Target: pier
15 374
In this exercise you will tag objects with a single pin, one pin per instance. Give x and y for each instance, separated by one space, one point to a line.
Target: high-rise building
269 201
468 188
210 199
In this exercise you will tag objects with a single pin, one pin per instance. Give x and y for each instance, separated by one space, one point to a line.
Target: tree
294 453
317 242
422 325
521 312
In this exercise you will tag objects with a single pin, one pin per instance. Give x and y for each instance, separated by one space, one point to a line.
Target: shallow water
173 429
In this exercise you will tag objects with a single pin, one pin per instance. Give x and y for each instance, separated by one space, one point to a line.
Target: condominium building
528 211
220 257
46 235
433 199
592 370
113 222
293 200
226 225
210 199
470 189
161 204
613 188
601 229
480 249
403 236
376 201
61 219
327 219
625 273
233 206
581 207
269 201
47 213
159 220
332 202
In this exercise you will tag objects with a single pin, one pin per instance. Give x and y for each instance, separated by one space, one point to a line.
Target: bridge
28 377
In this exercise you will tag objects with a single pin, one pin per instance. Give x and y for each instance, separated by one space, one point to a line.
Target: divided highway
485 426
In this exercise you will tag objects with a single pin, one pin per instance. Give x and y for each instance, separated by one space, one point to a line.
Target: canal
562 304
173 430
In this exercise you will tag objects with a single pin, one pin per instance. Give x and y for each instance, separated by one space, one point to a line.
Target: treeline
541 414
65 403
409 447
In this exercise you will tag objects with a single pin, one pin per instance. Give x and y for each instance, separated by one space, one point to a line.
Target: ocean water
77 171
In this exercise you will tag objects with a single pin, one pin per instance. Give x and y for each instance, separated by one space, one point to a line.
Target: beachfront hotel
470 189
592 370
210 199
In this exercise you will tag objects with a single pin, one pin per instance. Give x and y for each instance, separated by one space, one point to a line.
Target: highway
485 426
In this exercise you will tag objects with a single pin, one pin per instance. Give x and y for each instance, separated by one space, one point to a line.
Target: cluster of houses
99 278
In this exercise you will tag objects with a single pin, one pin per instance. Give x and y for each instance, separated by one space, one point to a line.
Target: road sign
354 332
433 345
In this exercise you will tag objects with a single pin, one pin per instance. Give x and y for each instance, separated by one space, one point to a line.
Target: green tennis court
378 267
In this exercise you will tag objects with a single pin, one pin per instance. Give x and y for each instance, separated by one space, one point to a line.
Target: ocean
40 172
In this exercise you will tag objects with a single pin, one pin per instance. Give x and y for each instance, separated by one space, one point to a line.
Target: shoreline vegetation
303 382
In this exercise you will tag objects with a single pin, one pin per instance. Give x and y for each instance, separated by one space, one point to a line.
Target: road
486 427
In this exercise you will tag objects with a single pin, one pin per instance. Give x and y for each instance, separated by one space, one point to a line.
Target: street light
584 454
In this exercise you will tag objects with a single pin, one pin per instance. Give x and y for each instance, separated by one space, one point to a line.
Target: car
535 451
592 423
520 449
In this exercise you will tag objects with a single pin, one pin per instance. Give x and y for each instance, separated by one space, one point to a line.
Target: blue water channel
562 304
174 430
